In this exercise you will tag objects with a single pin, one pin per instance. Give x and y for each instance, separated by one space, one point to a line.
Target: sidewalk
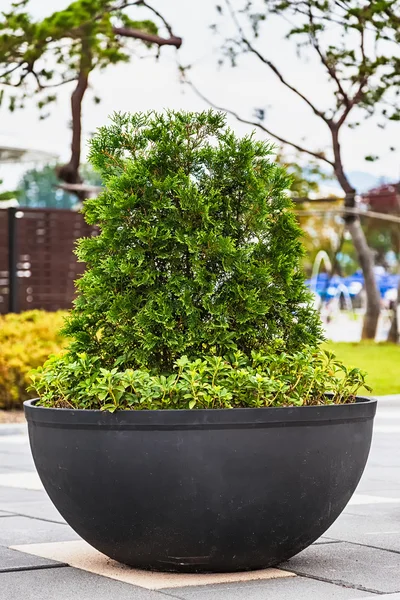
359 556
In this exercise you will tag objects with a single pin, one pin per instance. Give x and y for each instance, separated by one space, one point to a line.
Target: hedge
26 341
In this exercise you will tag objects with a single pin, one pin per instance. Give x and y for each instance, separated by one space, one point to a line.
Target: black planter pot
201 490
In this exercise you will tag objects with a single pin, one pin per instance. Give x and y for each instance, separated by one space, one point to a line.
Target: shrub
197 264
26 341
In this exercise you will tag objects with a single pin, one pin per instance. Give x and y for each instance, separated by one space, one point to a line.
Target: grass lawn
381 361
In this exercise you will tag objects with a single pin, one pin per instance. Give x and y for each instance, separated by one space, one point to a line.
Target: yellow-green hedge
26 340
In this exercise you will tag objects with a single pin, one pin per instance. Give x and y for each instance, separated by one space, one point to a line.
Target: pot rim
203 418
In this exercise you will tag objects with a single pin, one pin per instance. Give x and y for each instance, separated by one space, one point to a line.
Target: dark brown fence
37 263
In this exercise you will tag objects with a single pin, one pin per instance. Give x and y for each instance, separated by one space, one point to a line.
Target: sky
148 84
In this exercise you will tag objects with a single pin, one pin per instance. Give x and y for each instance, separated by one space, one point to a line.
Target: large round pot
201 490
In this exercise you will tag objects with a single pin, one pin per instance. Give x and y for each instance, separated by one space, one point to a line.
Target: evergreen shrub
193 295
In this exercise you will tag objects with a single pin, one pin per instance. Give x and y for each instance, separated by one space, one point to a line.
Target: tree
306 178
356 46
39 188
7 195
66 47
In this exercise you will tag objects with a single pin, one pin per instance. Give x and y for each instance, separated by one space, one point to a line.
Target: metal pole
12 262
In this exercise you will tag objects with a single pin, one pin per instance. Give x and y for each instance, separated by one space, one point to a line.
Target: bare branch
352 102
79 187
317 155
17 66
331 70
159 15
126 4
58 84
273 68
45 86
22 78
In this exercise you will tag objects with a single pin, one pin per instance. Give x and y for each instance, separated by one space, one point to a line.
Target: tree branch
159 15
44 86
151 38
331 70
11 70
317 155
352 102
22 78
363 80
273 68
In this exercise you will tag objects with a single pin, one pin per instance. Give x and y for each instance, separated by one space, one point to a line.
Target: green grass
381 361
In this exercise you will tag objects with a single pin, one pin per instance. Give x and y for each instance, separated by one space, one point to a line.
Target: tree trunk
364 253
365 257
394 332
69 173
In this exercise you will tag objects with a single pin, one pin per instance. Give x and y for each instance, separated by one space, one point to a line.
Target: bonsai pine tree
193 293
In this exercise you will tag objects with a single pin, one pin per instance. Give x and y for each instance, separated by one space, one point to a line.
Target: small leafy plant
193 296
302 378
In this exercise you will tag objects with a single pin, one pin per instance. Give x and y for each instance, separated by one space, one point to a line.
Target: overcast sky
147 84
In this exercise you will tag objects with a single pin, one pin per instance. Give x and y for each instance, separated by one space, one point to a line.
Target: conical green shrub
199 249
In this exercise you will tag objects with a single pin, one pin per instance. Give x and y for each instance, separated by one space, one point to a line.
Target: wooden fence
37 263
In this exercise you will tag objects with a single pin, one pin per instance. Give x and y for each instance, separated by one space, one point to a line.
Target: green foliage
26 341
68 43
199 249
237 381
38 188
8 194
355 44
193 295
306 179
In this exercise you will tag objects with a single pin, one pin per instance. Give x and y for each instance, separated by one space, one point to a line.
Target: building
384 198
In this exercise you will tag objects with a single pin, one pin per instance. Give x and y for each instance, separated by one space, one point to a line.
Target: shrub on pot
193 296
193 299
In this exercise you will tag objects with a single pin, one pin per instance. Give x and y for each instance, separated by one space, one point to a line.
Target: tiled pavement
359 556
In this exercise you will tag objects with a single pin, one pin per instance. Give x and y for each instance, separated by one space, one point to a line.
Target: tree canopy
37 57
357 47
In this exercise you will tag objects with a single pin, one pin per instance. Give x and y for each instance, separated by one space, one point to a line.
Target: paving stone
349 564
16 458
43 509
13 560
24 530
67 583
24 480
9 496
296 588
11 429
371 528
379 486
386 597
